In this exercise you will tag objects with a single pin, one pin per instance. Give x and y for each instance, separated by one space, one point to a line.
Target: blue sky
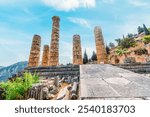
21 19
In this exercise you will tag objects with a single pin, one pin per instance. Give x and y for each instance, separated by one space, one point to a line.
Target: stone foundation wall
136 67
72 70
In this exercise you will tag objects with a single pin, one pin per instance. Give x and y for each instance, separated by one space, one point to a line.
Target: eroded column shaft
77 50
35 52
100 46
54 46
45 57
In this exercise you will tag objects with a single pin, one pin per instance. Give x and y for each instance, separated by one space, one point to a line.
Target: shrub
146 39
120 51
126 42
18 87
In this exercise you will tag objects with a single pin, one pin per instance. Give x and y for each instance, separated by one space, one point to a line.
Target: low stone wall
136 67
63 71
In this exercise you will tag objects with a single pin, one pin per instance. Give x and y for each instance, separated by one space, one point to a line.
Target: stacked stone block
77 50
54 46
35 52
100 46
45 57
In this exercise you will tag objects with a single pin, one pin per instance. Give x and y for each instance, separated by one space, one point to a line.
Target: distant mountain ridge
7 72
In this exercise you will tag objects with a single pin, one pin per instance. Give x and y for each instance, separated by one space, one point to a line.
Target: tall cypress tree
140 30
146 30
85 58
94 56
107 49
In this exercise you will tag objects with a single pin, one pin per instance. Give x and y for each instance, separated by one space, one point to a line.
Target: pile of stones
56 88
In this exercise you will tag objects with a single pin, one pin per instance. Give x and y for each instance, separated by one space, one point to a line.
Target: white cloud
79 21
67 5
138 3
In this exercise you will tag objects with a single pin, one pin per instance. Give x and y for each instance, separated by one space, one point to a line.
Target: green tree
130 35
111 45
140 30
17 88
107 50
118 41
146 30
89 60
149 29
85 58
94 56
127 43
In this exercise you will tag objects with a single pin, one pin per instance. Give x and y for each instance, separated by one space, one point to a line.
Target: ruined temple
35 52
45 57
100 46
54 46
77 50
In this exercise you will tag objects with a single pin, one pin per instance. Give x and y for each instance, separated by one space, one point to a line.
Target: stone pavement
105 81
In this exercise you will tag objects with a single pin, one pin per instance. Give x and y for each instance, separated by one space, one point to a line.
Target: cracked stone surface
103 81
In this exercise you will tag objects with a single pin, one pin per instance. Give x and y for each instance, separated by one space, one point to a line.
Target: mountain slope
6 72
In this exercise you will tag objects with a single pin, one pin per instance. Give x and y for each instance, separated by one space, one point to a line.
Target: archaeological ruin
50 55
77 50
105 79
45 57
100 46
54 46
34 57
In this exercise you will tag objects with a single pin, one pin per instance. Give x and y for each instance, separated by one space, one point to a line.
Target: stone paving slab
105 81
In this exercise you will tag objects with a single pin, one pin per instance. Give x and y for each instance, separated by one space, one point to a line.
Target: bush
120 51
126 42
18 87
146 39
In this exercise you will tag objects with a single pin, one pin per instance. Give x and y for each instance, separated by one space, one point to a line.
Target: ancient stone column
100 46
54 46
45 57
77 50
35 52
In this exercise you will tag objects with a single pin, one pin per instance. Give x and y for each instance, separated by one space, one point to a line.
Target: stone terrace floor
104 82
